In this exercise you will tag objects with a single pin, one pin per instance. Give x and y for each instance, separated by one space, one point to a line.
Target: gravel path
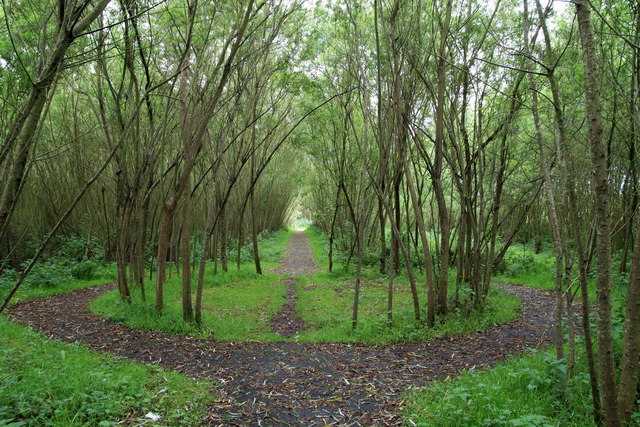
286 383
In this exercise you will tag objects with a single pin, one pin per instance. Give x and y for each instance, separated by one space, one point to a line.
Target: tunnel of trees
424 137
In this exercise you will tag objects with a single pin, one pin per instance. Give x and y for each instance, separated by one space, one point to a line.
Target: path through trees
298 260
295 382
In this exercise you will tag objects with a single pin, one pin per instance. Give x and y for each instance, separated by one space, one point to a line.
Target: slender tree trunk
240 236
602 216
223 237
206 247
437 167
586 315
333 228
164 237
631 354
383 167
397 213
400 127
254 213
187 310
548 190
428 267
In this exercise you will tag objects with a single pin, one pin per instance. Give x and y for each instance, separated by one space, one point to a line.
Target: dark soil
286 322
297 261
286 383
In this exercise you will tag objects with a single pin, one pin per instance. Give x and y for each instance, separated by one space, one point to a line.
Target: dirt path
297 261
296 383
298 258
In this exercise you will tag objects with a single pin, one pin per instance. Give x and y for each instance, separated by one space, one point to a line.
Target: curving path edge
286 383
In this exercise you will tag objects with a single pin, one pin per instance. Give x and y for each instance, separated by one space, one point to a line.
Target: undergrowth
44 382
71 263
523 391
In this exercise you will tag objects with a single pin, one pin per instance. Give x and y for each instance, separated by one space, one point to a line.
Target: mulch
297 383
297 261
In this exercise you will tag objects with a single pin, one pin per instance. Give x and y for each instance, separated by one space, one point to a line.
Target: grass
44 382
82 387
325 304
28 293
523 391
524 266
237 305
33 289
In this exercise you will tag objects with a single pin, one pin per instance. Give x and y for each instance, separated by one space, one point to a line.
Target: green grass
523 391
44 382
325 304
237 305
33 289
524 266
319 246
28 293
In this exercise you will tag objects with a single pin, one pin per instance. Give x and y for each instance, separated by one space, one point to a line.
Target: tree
602 217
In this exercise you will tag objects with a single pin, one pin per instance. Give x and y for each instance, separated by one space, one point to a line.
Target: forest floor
297 383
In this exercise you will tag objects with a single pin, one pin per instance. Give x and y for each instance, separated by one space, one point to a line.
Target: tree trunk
254 213
164 238
631 354
437 167
548 190
187 310
223 237
602 216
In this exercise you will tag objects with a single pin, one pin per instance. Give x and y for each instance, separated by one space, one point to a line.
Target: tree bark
187 310
631 353
437 166
602 216
552 212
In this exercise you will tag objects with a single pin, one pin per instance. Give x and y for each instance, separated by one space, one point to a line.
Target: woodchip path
287 383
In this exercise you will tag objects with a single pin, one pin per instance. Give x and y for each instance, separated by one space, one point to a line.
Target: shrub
48 274
84 270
